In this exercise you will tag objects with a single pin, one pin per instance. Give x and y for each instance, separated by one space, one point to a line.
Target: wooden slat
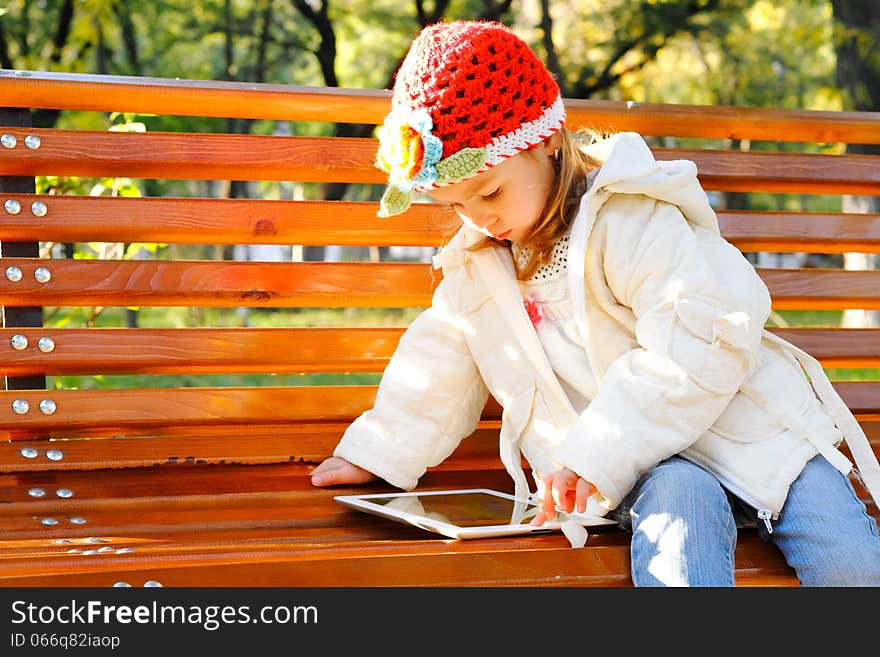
333 285
225 221
811 232
193 156
200 350
338 159
307 350
224 444
188 283
539 561
131 409
140 409
836 347
769 171
240 221
290 443
822 289
146 95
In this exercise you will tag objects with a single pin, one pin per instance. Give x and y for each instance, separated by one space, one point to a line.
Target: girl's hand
563 489
335 470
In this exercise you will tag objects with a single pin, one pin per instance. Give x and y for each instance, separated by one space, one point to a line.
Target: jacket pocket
780 381
713 346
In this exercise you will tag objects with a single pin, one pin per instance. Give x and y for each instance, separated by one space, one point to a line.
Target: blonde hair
571 167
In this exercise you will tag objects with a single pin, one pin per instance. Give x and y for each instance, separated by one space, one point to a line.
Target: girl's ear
554 142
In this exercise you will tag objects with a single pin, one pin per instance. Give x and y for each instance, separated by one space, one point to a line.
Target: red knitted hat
468 95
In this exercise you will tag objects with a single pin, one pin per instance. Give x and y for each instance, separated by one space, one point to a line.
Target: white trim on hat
527 135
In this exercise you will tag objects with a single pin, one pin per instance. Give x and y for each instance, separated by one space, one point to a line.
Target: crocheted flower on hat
408 151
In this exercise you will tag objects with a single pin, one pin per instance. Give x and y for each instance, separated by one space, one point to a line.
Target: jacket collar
497 271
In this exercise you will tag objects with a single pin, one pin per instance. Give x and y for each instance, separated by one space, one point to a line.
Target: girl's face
505 201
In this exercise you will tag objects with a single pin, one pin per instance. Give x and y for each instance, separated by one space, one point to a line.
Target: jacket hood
629 167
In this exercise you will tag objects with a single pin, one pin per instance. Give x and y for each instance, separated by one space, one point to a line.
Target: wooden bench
207 484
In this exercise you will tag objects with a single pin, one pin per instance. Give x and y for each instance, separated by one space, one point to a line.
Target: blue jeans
684 528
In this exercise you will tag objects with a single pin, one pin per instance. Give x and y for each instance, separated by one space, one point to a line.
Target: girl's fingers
584 490
547 503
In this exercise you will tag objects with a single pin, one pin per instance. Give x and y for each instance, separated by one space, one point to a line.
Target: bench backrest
98 420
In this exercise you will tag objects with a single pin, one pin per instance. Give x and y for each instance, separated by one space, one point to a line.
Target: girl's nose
485 219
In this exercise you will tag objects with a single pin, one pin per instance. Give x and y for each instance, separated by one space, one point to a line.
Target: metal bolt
29 452
105 549
49 521
47 406
90 552
151 584
39 209
78 521
62 541
42 275
32 141
21 406
122 585
22 74
19 342
125 550
13 274
64 492
54 455
95 539
36 492
8 141
74 551
12 206
46 345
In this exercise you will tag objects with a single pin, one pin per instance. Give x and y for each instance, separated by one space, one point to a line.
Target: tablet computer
462 513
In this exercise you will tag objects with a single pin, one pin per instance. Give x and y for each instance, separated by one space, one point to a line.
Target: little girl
590 292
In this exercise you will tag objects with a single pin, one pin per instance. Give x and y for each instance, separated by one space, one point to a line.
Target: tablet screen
465 509
463 513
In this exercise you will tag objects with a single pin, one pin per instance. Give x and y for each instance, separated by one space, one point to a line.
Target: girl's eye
489 197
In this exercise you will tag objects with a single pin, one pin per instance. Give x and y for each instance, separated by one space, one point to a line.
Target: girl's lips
503 235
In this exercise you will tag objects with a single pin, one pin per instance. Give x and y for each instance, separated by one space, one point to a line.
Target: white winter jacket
672 315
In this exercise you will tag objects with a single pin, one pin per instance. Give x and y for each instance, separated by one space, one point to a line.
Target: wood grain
183 407
333 285
299 103
241 221
199 156
291 350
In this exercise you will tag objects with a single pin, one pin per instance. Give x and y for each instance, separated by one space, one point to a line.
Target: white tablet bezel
364 503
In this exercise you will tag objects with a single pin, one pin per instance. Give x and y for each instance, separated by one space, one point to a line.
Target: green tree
856 39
